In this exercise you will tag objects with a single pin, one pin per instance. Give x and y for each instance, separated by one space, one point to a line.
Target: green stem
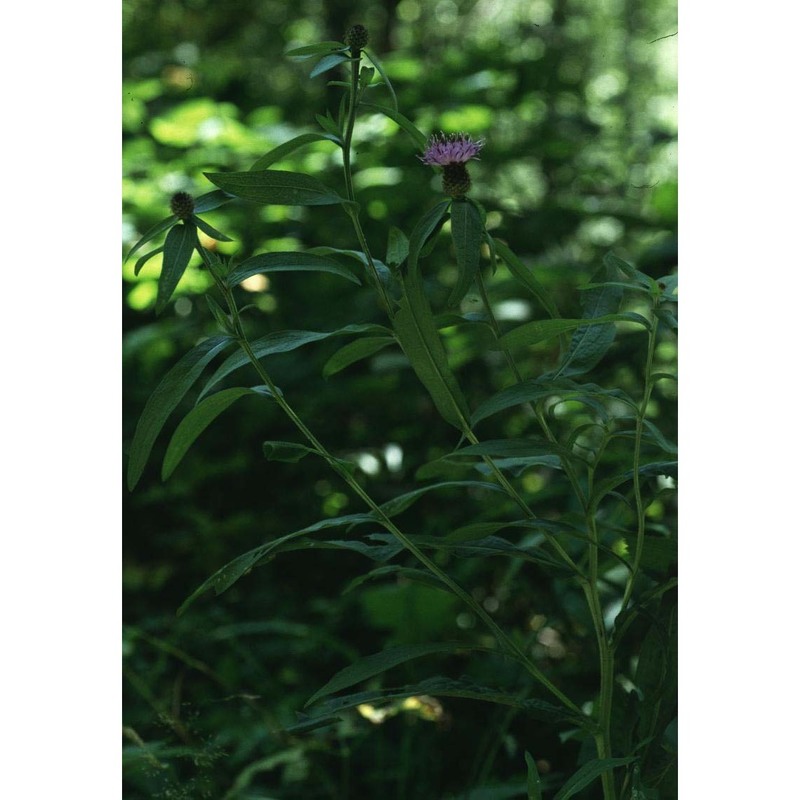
637 451
507 644
352 212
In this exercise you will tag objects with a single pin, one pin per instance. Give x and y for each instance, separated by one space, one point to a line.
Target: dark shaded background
577 104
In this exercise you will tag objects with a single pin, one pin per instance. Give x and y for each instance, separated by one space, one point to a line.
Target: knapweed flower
452 153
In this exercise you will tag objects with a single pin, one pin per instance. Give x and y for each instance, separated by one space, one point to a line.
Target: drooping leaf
371 56
178 249
590 343
405 573
653 469
355 351
444 687
145 258
399 504
197 420
310 50
526 277
284 342
286 148
328 62
383 271
211 200
419 138
226 576
276 187
588 773
209 230
467 232
536 389
288 452
378 663
151 234
165 398
541 330
264 263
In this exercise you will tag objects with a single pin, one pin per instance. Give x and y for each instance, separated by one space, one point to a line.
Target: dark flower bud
357 37
182 205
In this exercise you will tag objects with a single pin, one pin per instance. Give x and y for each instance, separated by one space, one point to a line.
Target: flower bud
357 37
182 205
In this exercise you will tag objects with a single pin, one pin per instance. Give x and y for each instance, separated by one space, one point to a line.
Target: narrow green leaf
404 573
531 391
309 50
467 232
422 231
541 330
223 320
328 62
159 227
355 351
210 230
288 452
419 138
266 263
162 402
399 504
197 420
276 187
653 469
284 342
226 576
416 331
178 249
590 343
588 773
371 56
145 258
211 200
526 277
534 782
444 687
329 124
286 148
507 448
397 248
378 663
357 255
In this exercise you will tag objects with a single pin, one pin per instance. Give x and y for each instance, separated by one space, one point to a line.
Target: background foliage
577 103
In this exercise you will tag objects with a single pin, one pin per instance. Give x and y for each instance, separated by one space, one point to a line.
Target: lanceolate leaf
289 147
444 687
178 249
397 249
209 230
167 395
423 229
588 773
467 231
265 263
159 227
371 56
289 452
309 50
526 277
284 342
541 330
226 576
355 351
399 504
145 258
420 140
591 342
197 420
276 187
328 62
211 200
416 331
379 663
534 783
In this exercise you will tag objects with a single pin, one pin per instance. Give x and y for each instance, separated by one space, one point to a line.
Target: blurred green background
577 102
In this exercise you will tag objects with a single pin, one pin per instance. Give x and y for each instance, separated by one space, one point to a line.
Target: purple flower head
455 148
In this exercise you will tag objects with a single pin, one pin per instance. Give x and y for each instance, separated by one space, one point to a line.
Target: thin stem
508 644
637 451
